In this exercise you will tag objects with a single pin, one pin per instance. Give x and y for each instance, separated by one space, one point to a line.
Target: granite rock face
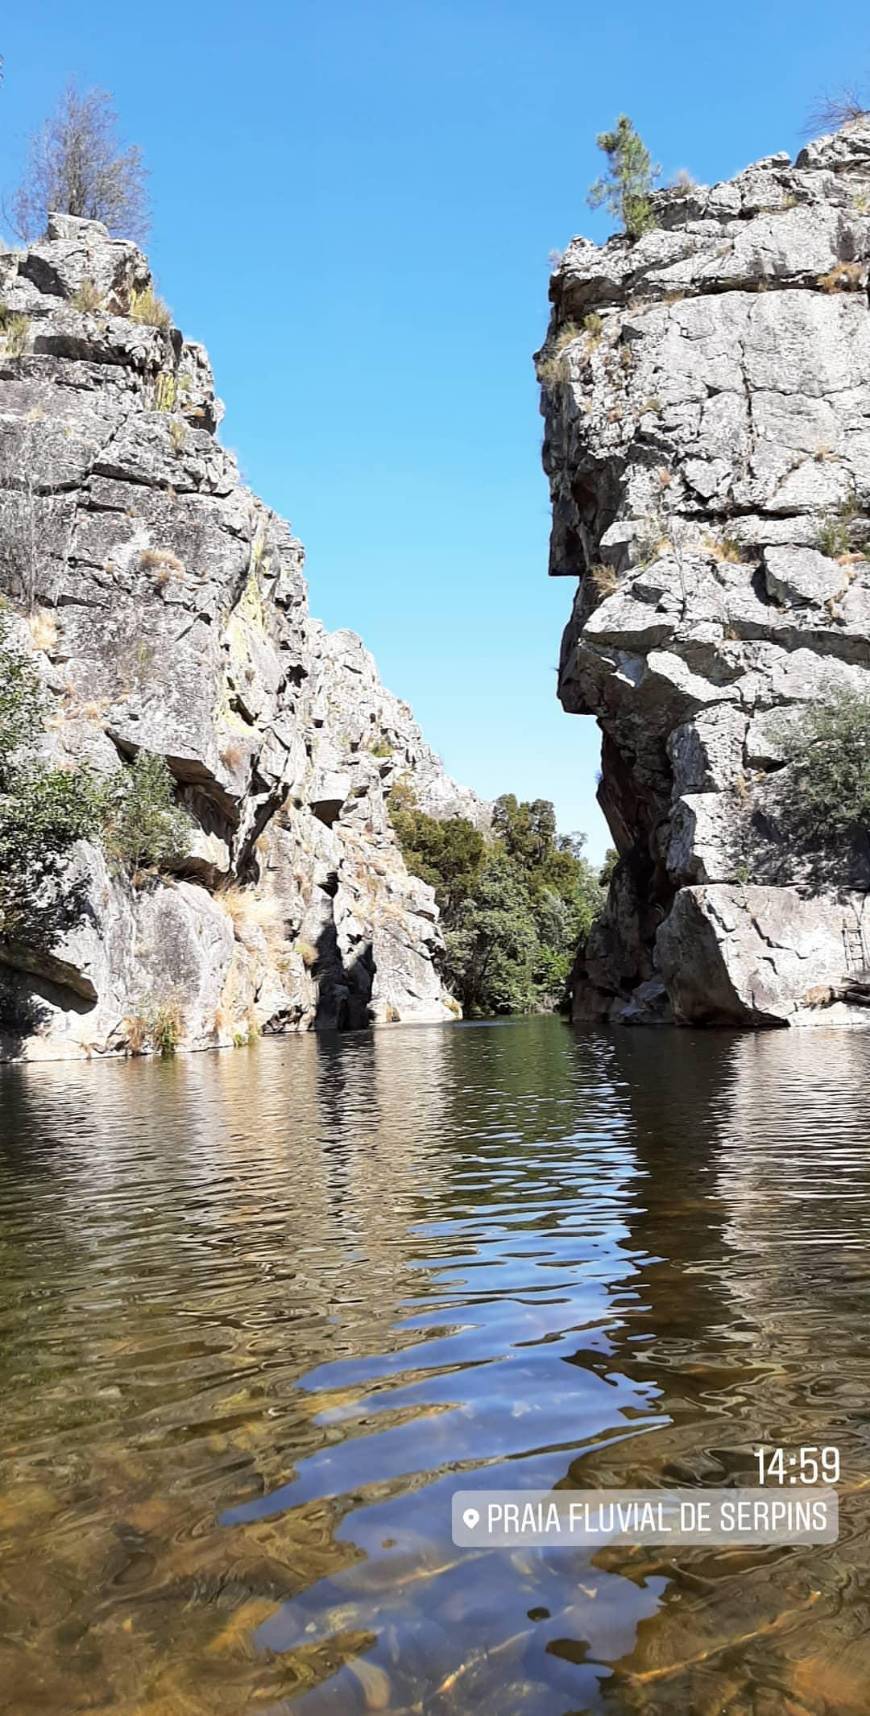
706 392
167 610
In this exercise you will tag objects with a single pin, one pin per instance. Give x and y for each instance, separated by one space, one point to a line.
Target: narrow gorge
165 609
706 394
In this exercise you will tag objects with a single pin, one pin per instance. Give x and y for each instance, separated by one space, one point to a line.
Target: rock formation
706 391
168 612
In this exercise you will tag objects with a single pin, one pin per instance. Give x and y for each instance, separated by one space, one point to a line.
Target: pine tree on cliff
626 184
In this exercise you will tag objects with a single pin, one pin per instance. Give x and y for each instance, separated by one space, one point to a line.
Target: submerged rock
167 609
706 391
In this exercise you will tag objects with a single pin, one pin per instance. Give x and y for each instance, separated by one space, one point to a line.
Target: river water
261 1312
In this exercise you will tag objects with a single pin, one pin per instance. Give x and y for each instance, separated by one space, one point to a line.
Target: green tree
527 830
826 793
143 825
514 908
447 854
492 948
626 185
43 810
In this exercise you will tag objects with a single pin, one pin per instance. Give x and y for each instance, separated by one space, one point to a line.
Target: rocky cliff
167 610
706 391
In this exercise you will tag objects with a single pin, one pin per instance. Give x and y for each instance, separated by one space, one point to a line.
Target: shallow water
261 1312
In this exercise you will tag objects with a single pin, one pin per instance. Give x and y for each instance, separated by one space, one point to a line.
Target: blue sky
353 206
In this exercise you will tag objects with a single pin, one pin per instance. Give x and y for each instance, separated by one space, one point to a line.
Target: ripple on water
261 1313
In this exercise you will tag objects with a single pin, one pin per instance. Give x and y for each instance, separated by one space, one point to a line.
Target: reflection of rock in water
182 1242
758 1200
263 1313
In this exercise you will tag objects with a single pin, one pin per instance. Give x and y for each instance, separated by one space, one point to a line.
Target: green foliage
626 184
446 854
832 537
611 859
492 946
143 824
827 789
166 1025
43 810
527 831
844 531
513 908
21 703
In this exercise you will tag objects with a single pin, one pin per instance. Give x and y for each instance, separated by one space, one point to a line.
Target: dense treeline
514 904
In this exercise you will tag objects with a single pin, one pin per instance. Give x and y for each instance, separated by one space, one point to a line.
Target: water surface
261 1312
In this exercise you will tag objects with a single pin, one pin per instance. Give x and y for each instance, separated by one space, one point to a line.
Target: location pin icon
470 1518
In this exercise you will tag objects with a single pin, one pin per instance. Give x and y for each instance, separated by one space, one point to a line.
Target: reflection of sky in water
262 1313
494 1375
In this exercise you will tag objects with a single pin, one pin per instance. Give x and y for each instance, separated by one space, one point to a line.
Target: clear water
261 1312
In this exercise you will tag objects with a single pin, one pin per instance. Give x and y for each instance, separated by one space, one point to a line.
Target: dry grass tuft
248 910
846 277
567 334
551 372
724 548
87 297
135 1029
96 709
16 333
163 563
233 754
307 953
552 368
146 307
604 579
43 629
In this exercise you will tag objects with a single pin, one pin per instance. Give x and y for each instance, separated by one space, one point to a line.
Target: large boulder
760 956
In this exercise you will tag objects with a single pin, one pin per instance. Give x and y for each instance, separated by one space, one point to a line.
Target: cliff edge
166 608
706 392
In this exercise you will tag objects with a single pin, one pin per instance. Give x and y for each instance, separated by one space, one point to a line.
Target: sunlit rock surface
706 392
168 612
